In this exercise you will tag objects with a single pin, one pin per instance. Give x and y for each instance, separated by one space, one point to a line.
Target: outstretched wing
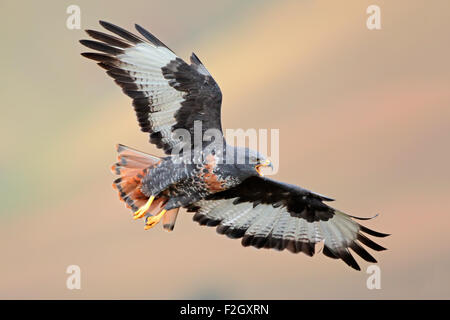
270 214
167 93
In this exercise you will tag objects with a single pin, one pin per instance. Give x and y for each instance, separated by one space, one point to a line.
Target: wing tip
150 37
120 32
371 244
373 232
195 59
105 24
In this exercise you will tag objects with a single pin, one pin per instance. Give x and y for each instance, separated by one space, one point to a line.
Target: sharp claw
143 210
152 220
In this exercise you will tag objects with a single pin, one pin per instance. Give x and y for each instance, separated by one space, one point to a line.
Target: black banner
221 309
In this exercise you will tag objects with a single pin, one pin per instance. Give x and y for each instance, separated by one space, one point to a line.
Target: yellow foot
143 210
152 220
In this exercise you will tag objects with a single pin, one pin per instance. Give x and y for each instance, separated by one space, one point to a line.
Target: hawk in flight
169 94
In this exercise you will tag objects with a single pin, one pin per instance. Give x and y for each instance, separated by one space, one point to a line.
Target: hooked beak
266 163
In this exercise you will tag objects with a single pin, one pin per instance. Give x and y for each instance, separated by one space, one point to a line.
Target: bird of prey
168 95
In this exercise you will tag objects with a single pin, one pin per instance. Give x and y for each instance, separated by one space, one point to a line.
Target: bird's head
246 161
259 161
251 161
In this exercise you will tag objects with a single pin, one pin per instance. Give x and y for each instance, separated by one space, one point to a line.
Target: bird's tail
132 167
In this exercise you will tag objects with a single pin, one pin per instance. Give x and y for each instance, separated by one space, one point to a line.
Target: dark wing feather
202 95
167 93
285 217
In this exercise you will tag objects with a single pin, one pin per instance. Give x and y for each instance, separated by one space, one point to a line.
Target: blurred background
364 117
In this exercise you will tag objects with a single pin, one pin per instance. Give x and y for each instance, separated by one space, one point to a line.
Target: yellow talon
143 210
152 220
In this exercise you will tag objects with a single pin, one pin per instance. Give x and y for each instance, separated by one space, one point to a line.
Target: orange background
364 117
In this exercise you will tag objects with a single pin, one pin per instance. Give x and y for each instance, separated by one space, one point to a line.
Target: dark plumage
170 97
